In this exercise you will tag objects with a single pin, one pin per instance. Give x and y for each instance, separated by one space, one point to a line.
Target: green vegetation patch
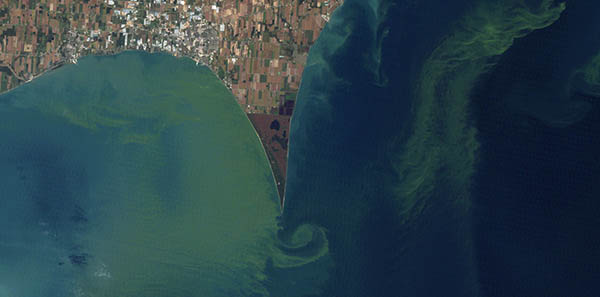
291 96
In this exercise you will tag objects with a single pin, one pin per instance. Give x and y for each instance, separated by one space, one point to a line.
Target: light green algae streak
590 73
442 137
184 202
122 91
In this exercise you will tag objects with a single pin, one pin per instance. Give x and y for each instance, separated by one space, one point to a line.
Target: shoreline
281 200
55 67
285 189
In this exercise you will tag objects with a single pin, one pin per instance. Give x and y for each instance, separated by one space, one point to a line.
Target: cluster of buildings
258 48
39 35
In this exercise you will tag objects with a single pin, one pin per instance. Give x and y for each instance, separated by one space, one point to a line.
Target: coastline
58 65
281 193
63 63
285 190
277 86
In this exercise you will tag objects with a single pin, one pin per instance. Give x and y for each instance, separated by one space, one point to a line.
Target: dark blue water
451 149
536 221
437 149
340 175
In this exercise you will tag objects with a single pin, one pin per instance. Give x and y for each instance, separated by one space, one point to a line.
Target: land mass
258 48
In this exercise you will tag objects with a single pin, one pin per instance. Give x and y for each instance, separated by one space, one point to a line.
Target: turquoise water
138 175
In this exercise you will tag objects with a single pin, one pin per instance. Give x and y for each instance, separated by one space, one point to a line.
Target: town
258 48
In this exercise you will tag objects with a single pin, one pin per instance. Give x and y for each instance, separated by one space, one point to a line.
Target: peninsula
258 48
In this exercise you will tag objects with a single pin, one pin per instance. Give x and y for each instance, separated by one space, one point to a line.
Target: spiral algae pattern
142 178
442 137
307 243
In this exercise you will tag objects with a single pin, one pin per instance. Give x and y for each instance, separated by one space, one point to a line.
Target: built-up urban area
258 48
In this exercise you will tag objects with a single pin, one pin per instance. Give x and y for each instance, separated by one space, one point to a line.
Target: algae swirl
174 194
442 137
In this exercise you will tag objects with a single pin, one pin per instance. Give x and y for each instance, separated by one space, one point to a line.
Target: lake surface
436 150
450 149
138 175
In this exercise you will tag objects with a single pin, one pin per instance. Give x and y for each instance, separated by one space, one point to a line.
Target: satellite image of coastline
304 148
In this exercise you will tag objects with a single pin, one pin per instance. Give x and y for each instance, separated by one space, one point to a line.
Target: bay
136 175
